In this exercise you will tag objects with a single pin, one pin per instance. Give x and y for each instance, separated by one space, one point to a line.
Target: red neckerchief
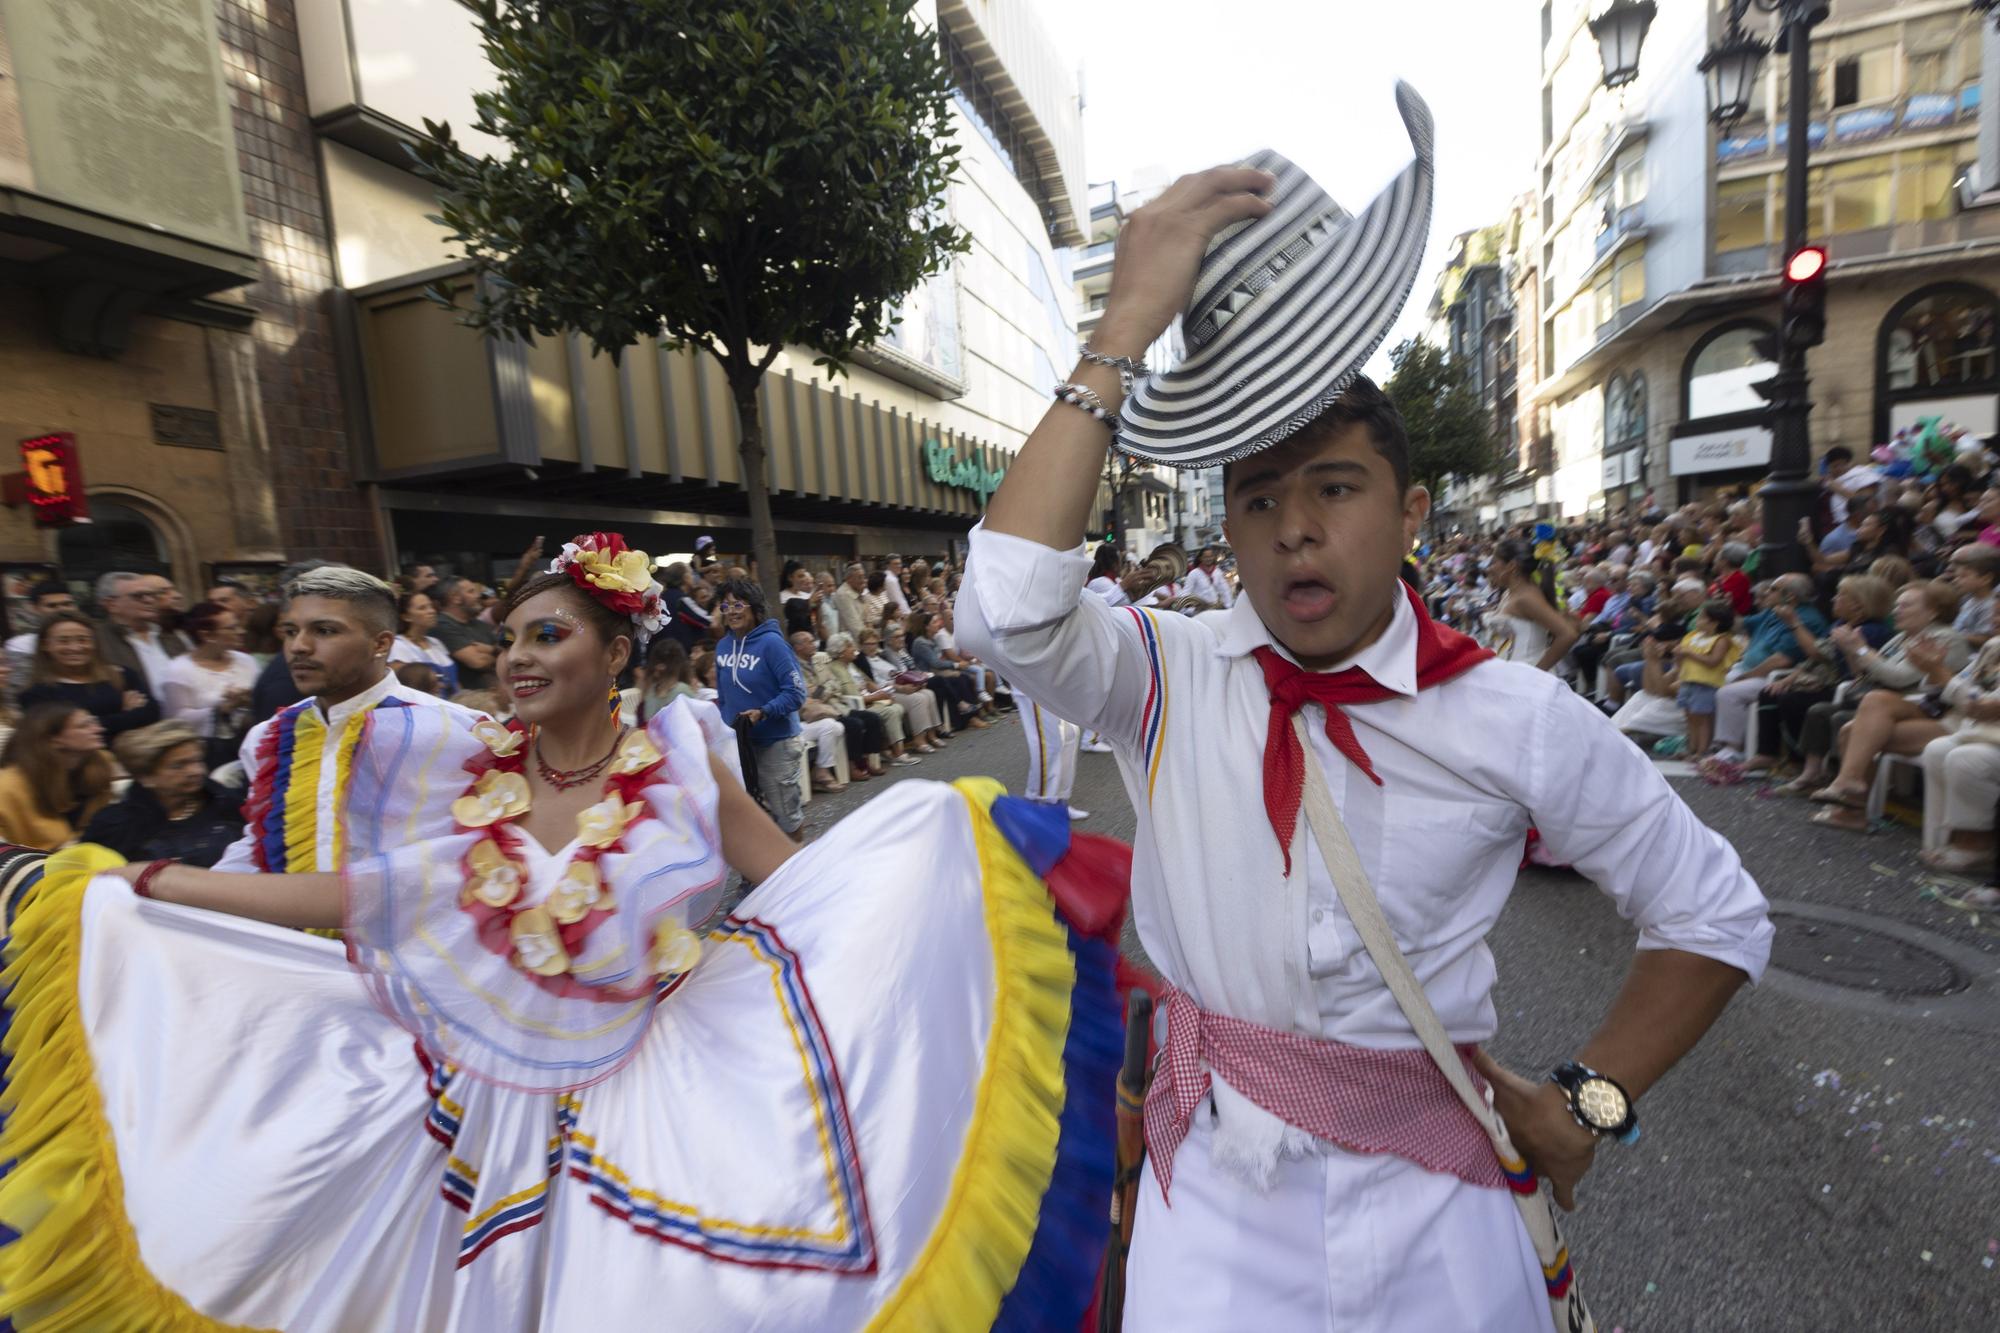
1442 653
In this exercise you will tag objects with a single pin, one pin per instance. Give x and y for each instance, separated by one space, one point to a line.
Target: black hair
747 591
1361 403
48 588
1531 566
1840 453
1105 563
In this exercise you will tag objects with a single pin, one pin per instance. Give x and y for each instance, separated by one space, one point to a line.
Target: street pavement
1828 1159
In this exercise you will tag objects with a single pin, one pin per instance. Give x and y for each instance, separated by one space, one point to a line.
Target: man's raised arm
1022 607
1052 484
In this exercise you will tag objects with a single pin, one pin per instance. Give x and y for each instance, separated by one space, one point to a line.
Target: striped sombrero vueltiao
1287 308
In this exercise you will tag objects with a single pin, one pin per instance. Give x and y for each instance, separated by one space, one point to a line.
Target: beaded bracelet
143 886
1075 396
1127 368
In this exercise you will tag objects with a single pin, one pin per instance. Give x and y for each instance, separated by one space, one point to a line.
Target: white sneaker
1095 747
985 698
1076 814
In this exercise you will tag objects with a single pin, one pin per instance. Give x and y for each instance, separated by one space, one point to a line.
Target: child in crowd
1706 654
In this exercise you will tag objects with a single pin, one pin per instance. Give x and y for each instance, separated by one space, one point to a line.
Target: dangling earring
614 701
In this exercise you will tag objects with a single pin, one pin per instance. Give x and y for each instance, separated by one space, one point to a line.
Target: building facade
1660 255
472 446
162 259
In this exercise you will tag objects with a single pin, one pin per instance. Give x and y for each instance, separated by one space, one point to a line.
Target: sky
1186 84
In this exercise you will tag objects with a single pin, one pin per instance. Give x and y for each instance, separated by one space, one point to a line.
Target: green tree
730 177
1450 432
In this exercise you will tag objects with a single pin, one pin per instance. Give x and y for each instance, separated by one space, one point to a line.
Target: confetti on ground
1651 1287
1927 1256
1881 869
1827 1078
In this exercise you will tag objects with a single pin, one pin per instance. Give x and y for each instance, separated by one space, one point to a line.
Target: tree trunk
750 447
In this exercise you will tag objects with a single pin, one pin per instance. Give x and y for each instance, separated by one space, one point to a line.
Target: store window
1625 411
1940 338
1721 369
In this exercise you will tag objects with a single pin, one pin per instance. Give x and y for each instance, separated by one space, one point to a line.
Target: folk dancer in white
1379 1216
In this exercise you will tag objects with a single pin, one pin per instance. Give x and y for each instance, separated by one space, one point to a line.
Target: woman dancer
605 1119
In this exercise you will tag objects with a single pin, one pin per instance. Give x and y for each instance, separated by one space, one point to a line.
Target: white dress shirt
1467 766
1212 586
153 658
189 691
328 826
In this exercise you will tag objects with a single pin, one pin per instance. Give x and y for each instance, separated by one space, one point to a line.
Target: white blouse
190 692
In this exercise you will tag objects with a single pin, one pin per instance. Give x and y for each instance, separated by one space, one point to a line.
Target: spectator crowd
122 712
1880 652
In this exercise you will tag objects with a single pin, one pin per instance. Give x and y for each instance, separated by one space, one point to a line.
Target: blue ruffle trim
1058 1278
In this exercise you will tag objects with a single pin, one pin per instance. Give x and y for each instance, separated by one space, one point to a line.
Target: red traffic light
1806 265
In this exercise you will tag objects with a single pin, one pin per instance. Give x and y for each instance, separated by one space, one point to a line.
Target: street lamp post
1730 69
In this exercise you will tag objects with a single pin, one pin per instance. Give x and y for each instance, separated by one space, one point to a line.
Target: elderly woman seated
838 673
171 812
1861 607
1880 711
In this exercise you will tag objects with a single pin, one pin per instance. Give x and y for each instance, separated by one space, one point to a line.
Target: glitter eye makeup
551 632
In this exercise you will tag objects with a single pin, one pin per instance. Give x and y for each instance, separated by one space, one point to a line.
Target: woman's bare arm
302 902
752 843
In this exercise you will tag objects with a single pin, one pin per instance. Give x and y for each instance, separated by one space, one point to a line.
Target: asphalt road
1828 1159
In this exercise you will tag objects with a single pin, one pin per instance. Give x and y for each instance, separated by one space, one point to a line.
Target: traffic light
1805 298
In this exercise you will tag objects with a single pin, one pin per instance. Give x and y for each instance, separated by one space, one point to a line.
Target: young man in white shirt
336 632
1439 762
1207 581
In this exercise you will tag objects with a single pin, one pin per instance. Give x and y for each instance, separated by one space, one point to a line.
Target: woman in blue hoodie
757 677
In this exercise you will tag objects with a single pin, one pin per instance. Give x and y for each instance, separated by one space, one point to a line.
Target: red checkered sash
1363 1100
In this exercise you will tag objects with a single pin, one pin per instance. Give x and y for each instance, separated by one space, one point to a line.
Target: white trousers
1733 705
1961 785
1052 747
1341 1243
824 736
920 706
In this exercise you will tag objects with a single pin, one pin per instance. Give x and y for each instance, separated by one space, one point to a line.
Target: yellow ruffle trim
988 1224
76 1264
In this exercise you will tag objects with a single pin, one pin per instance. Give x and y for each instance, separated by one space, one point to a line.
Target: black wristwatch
1598 1102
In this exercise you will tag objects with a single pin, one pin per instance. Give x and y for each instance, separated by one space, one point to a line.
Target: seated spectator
924 654
867 733
417 615
1961 788
421 676
1956 501
991 691
1975 570
1780 636
1921 700
1654 708
926 721
702 663
172 811
70 668
1861 604
54 776
209 688
1731 583
843 666
666 676
1893 570
1925 653
1879 532
1623 613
